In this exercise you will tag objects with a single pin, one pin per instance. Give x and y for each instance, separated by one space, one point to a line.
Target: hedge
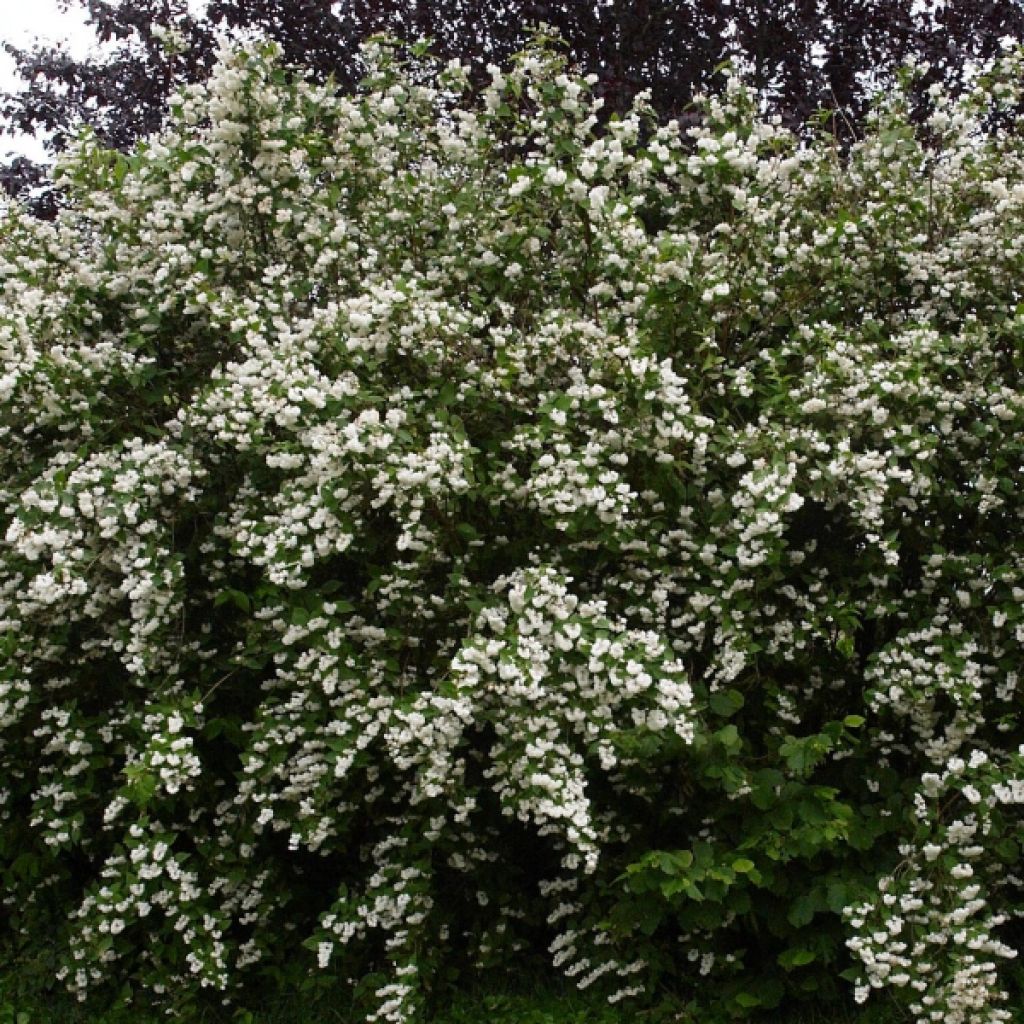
441 526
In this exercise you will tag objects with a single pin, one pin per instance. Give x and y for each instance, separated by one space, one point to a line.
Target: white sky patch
24 22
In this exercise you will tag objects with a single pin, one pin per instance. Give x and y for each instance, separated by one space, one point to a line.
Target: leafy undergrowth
510 1000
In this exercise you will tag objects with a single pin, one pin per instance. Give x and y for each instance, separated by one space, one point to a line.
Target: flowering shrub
438 528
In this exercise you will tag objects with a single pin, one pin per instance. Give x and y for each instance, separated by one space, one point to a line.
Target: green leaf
812 812
836 896
802 910
673 862
729 737
448 393
763 788
235 597
726 702
1007 851
796 957
795 754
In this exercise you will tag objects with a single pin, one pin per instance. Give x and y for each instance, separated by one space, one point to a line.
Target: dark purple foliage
803 54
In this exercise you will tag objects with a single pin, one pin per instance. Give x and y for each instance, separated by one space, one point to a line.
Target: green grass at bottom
509 1000
567 1008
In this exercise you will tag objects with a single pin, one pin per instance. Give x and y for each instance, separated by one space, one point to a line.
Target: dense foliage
800 55
438 527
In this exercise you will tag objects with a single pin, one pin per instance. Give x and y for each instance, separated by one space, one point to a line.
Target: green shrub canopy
439 528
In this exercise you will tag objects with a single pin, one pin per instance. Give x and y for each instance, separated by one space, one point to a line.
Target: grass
510 1001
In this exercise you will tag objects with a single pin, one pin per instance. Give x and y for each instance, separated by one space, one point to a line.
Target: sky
22 22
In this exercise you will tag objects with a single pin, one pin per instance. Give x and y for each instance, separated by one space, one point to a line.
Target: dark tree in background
802 54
